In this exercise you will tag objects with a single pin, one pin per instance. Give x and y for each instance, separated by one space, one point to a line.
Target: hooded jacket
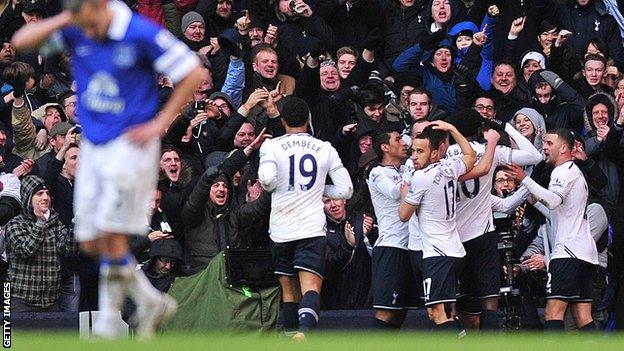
211 228
484 76
565 108
538 124
34 249
440 85
599 150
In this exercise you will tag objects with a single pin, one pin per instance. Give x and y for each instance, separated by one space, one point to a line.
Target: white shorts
114 187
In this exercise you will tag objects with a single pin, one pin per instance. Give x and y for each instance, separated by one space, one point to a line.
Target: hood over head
539 124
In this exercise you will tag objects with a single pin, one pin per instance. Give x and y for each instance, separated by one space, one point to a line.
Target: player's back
432 189
302 164
474 208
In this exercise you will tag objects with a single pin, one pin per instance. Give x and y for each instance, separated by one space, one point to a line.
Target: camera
293 6
78 129
199 105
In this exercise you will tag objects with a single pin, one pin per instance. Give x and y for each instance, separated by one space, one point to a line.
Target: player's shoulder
566 169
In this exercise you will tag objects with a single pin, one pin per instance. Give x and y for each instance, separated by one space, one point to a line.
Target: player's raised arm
33 35
469 155
483 167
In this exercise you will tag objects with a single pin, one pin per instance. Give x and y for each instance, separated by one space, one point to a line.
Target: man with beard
430 194
211 222
574 255
559 104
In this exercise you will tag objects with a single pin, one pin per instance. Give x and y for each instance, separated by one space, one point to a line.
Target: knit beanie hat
191 17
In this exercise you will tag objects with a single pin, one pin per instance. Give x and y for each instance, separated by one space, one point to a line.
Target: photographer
196 131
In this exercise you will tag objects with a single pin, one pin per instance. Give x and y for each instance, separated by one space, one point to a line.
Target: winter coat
34 249
211 228
588 22
600 151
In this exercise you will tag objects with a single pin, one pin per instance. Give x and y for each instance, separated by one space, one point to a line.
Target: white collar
121 19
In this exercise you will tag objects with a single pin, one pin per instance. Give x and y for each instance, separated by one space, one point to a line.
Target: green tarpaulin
207 302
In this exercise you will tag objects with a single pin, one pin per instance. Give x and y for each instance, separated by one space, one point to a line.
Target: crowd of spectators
363 66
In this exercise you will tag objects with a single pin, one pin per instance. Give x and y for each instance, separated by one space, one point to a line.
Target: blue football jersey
116 77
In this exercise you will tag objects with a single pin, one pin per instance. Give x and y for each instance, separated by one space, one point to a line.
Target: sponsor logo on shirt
102 95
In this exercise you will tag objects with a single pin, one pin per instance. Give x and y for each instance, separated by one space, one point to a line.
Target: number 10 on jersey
306 168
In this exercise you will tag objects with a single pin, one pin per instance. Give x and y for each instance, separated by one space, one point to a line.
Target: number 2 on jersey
304 171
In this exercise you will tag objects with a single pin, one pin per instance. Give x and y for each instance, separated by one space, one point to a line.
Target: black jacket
210 229
330 110
348 269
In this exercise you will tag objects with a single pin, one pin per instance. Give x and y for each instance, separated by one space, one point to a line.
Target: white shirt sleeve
267 170
388 187
526 154
548 198
509 203
454 165
342 188
418 188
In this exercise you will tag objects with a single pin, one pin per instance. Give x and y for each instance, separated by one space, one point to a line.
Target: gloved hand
493 124
429 42
309 45
230 41
551 78
374 40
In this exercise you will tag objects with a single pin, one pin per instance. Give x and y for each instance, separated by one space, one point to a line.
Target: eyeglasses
483 107
71 103
405 93
504 180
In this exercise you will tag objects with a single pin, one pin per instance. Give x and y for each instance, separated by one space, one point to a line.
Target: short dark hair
168 148
380 138
486 95
370 95
594 57
64 95
346 50
435 136
295 111
566 135
420 91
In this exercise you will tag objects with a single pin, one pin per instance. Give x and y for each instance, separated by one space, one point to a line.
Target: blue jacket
442 90
484 78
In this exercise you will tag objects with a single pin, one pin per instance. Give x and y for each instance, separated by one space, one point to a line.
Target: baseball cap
61 128
29 6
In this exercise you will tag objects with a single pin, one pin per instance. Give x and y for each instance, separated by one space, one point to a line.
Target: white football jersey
294 168
384 185
474 207
432 189
570 229
414 242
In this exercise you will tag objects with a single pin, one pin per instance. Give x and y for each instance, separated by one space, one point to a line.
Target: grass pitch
342 341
